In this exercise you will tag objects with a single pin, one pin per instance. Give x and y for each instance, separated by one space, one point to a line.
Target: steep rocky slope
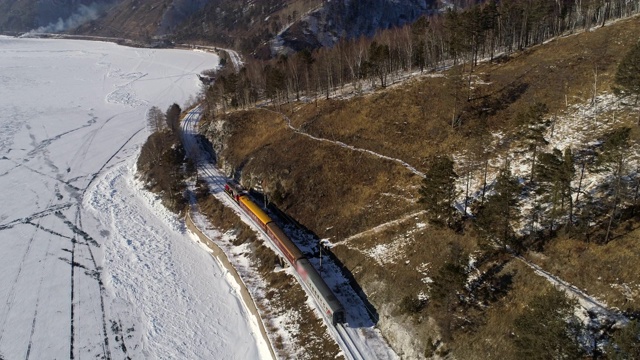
349 19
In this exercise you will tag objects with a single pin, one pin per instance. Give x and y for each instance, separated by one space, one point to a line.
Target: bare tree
155 119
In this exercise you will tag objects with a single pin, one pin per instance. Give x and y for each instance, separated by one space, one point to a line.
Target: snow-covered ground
91 265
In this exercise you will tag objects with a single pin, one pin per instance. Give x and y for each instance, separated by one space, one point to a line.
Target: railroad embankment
223 260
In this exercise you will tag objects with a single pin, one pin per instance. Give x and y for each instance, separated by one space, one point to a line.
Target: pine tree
554 173
548 329
627 342
418 29
612 158
172 118
495 217
438 191
627 77
448 283
379 56
533 128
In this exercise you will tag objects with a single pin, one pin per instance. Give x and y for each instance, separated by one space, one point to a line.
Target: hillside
349 169
52 16
259 27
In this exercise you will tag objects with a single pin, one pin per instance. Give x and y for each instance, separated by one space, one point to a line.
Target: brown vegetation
160 167
340 193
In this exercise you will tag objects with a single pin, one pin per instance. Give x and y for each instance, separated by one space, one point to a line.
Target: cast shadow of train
286 221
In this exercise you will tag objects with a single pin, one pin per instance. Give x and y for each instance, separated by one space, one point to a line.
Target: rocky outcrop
350 19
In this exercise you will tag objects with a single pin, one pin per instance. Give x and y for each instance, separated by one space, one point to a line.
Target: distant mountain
271 26
49 16
349 19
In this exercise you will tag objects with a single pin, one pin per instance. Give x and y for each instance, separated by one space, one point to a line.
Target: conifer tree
627 77
438 191
418 30
555 172
172 118
495 217
533 127
379 56
448 284
548 329
627 342
612 158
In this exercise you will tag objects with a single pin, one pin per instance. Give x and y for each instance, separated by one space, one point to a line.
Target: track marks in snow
39 147
93 177
35 314
56 178
52 232
589 303
10 299
40 214
98 276
158 271
9 170
116 328
381 227
124 94
76 230
93 271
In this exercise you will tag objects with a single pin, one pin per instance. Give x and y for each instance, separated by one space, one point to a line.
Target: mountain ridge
273 26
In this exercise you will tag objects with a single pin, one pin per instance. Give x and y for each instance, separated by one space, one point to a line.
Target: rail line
347 338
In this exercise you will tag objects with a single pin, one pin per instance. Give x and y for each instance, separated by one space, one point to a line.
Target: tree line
162 158
484 31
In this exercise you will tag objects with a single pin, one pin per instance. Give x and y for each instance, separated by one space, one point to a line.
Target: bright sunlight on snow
92 266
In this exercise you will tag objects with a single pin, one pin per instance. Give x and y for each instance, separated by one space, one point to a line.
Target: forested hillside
260 28
50 16
489 31
476 172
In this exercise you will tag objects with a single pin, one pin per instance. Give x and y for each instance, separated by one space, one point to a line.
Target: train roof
255 209
321 286
285 240
235 186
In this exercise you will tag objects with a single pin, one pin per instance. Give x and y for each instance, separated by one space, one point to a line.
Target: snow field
92 267
168 277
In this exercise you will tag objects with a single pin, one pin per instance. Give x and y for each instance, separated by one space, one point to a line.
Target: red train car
330 305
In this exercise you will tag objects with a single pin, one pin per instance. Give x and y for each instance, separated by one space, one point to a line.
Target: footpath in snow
92 266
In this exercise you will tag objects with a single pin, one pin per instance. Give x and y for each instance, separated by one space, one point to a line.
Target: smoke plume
84 14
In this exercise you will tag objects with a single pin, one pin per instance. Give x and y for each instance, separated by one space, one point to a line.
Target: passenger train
325 297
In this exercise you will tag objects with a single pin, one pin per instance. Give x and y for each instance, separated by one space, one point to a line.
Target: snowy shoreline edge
217 253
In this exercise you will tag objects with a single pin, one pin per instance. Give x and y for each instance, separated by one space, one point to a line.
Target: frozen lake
93 267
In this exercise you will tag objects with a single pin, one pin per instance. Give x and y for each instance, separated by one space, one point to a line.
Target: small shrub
411 304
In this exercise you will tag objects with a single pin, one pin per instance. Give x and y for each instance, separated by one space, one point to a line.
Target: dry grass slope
338 193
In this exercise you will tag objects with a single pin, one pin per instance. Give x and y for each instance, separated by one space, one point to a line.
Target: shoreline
217 253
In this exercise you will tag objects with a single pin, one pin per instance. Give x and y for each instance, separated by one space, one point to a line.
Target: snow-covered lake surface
93 267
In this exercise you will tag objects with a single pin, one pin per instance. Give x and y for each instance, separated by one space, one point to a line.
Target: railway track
346 337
